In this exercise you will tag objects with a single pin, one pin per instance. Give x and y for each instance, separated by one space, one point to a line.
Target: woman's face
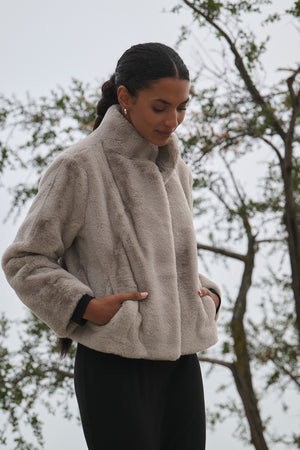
157 111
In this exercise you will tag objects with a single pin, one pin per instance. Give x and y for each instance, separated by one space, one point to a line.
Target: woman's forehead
167 90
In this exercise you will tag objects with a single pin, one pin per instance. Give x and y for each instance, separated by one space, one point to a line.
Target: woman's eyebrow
168 103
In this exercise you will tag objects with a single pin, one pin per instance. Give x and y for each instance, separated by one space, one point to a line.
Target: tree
233 116
31 374
260 339
235 122
261 113
34 132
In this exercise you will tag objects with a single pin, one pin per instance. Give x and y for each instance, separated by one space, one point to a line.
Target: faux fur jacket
118 210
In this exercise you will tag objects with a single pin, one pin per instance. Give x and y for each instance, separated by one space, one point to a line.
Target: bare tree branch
221 251
267 141
295 99
21 377
270 241
216 361
239 63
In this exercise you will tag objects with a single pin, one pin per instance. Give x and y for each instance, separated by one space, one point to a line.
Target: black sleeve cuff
80 309
215 292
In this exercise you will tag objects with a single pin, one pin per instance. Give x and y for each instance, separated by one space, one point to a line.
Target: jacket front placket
148 240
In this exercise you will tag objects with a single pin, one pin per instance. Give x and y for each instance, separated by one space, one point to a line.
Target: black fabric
137 404
80 309
215 292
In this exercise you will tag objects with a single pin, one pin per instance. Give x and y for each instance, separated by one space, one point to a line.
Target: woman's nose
172 120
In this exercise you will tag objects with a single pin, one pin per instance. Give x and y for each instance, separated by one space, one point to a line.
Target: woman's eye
159 110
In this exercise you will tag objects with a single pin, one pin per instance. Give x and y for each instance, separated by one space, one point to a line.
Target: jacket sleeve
204 281
31 263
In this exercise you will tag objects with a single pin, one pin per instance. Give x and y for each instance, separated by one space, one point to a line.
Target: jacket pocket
127 319
122 327
209 307
120 274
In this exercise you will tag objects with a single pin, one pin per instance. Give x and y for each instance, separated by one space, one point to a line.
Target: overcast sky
44 43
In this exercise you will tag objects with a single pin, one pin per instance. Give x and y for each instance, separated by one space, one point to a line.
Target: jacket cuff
215 292
80 309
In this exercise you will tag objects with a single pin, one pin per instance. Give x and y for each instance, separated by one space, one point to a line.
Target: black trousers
138 404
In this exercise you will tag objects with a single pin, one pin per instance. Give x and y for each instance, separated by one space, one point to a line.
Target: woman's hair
136 69
64 346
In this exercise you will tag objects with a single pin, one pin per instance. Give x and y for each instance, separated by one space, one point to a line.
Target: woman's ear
124 97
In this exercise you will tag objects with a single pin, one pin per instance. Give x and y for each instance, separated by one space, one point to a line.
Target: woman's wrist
89 312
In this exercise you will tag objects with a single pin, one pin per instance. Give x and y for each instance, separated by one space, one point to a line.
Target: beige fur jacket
118 209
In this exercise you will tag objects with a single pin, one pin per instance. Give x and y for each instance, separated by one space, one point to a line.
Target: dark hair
136 69
64 346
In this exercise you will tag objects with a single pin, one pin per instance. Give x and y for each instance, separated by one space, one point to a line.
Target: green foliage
35 131
295 10
30 375
236 144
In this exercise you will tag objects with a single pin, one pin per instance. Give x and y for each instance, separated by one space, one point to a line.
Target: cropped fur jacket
118 210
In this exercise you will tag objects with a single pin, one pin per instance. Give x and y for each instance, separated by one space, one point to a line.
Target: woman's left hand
204 291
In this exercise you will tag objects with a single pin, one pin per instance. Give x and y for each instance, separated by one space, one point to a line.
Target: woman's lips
164 134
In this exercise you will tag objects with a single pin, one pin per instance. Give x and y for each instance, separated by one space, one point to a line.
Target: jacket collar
118 135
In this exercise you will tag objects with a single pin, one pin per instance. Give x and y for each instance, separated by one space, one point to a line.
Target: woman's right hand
101 310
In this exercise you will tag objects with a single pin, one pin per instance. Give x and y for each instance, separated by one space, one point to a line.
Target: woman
117 208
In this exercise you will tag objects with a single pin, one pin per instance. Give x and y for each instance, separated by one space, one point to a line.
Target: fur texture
119 211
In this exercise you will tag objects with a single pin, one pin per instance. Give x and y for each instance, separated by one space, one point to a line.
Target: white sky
44 43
